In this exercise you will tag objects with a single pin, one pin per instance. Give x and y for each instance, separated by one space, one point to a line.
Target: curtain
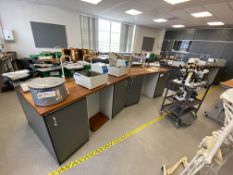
89 32
127 38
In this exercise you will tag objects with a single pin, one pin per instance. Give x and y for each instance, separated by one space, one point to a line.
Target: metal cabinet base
63 131
134 90
119 97
161 84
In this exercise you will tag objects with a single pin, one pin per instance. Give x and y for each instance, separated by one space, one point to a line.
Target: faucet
62 68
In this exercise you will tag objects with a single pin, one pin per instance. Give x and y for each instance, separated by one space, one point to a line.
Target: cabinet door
195 47
201 34
226 35
69 129
171 35
228 56
185 35
119 97
134 90
213 34
161 84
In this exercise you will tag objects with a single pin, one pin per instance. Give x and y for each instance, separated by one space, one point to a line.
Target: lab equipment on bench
48 91
101 68
54 71
155 64
214 150
63 57
17 75
117 66
90 79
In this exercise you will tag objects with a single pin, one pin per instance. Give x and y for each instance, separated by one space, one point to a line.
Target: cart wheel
162 168
160 112
177 124
195 117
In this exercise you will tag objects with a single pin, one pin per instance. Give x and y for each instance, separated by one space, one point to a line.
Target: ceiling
222 10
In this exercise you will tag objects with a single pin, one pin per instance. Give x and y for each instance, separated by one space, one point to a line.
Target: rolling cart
182 113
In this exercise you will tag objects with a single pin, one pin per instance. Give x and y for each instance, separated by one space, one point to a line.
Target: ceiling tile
222 11
180 13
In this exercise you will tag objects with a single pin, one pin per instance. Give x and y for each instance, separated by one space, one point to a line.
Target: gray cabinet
134 90
200 34
226 35
161 84
171 35
62 131
196 47
119 97
212 34
68 128
185 35
218 50
228 55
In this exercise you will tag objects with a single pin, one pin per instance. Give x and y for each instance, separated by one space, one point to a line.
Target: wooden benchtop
228 83
77 92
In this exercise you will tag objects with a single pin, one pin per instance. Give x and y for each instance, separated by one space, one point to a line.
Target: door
134 90
119 97
68 128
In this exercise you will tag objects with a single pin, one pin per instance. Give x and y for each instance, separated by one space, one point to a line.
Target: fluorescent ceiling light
92 1
201 14
178 26
133 12
217 23
160 20
173 2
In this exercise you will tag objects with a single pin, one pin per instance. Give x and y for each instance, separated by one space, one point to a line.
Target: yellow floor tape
115 141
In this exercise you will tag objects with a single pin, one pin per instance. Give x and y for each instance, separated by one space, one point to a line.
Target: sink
90 79
117 71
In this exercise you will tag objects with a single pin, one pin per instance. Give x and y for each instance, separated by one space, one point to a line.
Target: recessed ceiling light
178 26
92 1
133 12
173 2
160 20
216 23
201 14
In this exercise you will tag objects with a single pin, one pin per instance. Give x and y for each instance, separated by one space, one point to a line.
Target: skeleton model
211 148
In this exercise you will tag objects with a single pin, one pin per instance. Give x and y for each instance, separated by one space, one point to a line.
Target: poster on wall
48 35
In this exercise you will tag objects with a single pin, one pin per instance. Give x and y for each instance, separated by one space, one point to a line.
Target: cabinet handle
126 83
132 81
55 121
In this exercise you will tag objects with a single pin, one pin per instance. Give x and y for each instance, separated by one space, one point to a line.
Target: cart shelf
184 104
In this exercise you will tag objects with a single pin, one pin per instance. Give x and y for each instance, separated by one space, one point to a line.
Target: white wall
143 31
16 16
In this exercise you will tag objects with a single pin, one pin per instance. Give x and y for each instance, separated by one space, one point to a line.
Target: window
115 36
182 46
109 36
104 35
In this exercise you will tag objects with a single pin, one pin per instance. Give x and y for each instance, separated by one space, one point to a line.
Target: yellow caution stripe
106 146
